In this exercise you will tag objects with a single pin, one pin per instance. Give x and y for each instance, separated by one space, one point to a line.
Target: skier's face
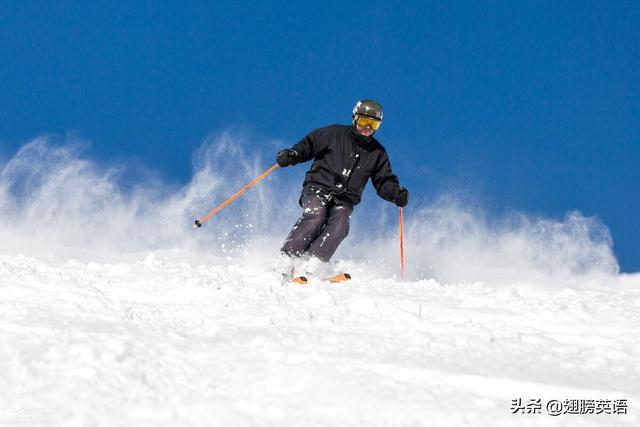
366 126
364 131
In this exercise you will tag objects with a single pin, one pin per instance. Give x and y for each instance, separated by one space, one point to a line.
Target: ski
342 277
302 280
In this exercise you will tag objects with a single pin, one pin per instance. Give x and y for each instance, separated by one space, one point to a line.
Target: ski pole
205 218
401 245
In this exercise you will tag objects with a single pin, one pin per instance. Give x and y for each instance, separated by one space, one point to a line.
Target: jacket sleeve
312 145
384 181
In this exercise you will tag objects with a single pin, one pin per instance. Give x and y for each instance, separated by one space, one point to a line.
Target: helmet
367 107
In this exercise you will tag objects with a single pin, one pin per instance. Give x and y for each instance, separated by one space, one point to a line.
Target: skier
345 157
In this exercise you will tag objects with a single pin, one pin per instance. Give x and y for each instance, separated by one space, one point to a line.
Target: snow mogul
344 158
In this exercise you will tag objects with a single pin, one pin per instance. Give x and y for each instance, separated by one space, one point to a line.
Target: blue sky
528 106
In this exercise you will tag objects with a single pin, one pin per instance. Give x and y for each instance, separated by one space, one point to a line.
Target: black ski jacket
343 163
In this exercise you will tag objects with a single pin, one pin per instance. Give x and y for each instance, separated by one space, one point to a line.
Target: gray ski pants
320 230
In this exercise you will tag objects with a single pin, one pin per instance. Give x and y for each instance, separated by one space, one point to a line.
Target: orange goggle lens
364 121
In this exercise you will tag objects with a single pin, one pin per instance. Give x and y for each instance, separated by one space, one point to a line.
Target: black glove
286 158
402 198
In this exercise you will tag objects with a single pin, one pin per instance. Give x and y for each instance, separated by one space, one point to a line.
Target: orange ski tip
339 278
300 280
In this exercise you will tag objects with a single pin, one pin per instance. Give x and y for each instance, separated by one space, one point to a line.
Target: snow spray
57 203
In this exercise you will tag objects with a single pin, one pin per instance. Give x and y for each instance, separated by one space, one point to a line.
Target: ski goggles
364 121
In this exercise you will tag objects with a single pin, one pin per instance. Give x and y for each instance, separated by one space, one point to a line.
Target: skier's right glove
402 198
286 157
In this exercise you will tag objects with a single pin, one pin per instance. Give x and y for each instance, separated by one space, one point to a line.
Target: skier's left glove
402 198
286 158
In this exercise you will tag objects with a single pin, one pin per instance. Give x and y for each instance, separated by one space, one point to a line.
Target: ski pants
321 228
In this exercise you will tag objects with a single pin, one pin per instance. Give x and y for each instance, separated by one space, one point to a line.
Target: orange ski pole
205 218
401 245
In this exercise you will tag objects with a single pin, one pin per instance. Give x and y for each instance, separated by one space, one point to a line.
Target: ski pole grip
198 223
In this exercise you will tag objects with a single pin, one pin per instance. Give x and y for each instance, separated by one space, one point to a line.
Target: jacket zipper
353 169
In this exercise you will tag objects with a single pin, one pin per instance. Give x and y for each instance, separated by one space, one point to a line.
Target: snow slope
113 311
161 343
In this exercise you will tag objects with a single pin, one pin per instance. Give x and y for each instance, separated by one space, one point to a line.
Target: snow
155 342
114 311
